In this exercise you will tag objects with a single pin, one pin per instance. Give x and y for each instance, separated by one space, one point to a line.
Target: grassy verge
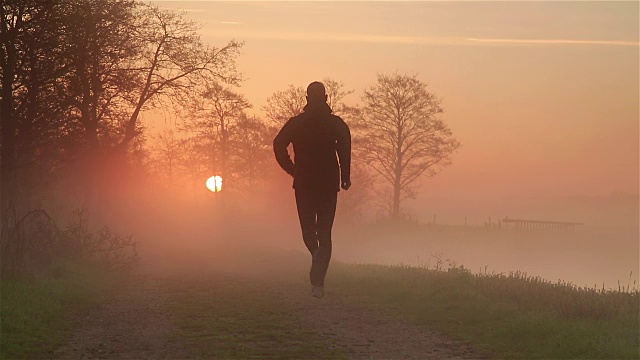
511 316
232 319
37 313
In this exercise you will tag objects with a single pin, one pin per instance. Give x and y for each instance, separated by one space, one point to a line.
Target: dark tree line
77 75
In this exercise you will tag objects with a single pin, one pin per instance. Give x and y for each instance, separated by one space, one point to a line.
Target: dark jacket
317 135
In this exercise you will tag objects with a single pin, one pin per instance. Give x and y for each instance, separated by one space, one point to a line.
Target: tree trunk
9 126
8 152
224 149
395 210
395 213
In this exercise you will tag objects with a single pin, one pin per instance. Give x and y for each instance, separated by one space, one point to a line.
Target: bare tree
126 57
167 154
175 61
336 94
212 124
76 76
32 117
129 57
283 105
195 167
404 137
252 140
34 139
354 204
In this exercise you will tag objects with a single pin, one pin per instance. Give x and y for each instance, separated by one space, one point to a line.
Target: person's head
316 93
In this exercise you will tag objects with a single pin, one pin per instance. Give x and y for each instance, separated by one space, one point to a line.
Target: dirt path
366 334
130 325
133 325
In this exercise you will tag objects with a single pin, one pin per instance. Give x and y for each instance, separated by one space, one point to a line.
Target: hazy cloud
346 37
185 10
555 42
336 37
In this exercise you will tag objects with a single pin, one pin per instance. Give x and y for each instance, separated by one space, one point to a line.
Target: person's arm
280 144
343 147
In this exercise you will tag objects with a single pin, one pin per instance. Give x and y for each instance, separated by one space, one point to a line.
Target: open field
38 314
590 256
512 315
259 307
168 166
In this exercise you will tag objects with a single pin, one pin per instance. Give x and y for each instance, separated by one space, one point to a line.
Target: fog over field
547 116
169 172
538 121
214 231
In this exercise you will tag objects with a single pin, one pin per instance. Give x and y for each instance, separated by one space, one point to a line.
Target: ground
226 314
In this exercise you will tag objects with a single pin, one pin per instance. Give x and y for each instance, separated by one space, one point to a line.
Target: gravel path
133 325
366 334
130 325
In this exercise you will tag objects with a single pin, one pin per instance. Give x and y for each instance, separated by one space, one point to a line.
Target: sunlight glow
214 183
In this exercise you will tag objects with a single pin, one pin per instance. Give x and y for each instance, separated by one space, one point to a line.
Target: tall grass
37 312
511 315
59 273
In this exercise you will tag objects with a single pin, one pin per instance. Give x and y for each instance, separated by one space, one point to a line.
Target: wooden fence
537 225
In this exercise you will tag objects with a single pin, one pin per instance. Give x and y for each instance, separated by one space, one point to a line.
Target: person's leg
326 203
307 216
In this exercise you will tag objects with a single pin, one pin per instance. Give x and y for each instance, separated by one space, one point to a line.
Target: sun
214 183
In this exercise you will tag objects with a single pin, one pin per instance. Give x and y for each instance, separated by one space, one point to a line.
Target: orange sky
543 95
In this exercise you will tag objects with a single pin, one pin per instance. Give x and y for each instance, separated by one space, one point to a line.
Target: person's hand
346 184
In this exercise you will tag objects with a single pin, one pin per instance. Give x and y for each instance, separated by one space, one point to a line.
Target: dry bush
34 242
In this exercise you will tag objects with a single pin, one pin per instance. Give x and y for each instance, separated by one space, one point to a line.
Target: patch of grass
232 319
510 315
36 313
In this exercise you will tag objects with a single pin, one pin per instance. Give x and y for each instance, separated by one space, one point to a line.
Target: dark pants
316 210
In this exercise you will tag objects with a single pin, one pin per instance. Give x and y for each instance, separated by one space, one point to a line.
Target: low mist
450 137
196 229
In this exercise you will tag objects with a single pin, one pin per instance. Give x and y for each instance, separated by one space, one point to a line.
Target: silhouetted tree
252 140
197 169
168 154
175 61
129 57
35 139
354 204
336 94
283 105
404 137
75 77
213 121
32 115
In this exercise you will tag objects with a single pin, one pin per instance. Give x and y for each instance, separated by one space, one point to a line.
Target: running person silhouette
317 135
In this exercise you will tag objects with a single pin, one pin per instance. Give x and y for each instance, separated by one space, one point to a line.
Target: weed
512 314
